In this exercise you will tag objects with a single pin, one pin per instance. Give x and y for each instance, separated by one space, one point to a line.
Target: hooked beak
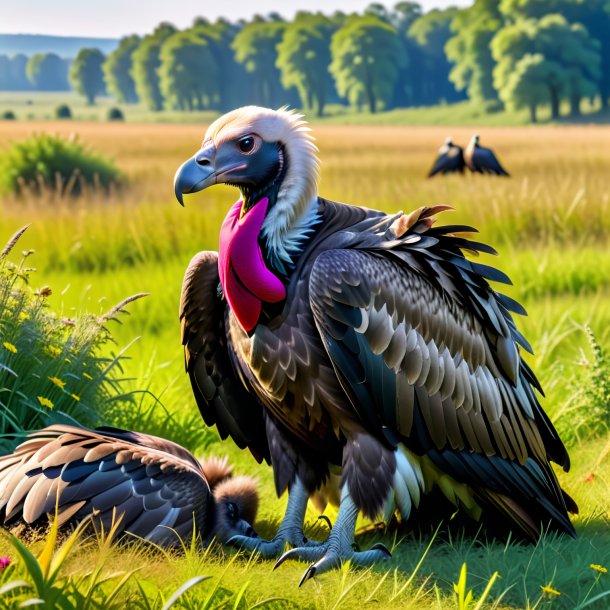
195 174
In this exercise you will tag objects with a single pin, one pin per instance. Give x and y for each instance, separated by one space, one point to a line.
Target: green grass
550 224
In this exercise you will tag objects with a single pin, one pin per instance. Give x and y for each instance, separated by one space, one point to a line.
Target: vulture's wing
428 354
449 160
221 396
484 161
156 492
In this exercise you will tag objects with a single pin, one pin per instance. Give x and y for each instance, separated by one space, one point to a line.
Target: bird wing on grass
482 160
450 160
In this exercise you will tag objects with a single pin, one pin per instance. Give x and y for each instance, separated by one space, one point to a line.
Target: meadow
550 223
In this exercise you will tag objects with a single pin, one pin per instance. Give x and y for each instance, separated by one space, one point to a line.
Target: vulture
482 160
331 338
153 488
450 159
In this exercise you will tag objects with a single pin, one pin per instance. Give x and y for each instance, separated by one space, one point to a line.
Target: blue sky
115 18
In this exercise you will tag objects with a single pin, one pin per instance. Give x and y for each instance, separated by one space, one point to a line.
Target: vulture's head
265 154
475 138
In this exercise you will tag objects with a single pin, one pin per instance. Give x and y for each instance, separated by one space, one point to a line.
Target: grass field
550 222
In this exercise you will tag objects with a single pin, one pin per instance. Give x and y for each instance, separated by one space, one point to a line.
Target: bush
63 112
115 114
9 115
47 162
51 367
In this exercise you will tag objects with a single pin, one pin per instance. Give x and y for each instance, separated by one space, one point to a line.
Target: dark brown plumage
482 160
391 359
450 159
157 489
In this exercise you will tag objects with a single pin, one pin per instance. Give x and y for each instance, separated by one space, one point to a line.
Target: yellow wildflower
58 382
54 351
598 568
45 402
24 315
76 397
87 376
10 347
548 590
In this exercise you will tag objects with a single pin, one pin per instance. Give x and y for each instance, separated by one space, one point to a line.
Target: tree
469 49
304 59
18 77
366 60
188 72
86 73
431 32
530 83
566 48
117 70
256 48
146 63
47 72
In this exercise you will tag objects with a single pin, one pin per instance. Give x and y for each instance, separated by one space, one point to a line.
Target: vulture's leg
340 545
290 530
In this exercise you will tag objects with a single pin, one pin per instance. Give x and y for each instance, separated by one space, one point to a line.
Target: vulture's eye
247 145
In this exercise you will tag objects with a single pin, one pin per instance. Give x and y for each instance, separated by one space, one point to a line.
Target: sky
116 18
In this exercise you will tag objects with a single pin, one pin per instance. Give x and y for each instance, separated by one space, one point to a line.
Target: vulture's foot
290 531
339 548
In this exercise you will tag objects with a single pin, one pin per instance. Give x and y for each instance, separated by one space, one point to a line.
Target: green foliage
304 59
51 367
86 75
47 72
188 72
8 115
45 162
470 52
63 111
465 597
117 70
256 49
115 114
146 64
367 58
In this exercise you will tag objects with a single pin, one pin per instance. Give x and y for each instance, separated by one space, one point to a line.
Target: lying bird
482 160
157 488
328 336
450 159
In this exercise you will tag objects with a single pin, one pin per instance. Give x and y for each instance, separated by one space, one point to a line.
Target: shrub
51 367
47 162
63 112
9 115
115 114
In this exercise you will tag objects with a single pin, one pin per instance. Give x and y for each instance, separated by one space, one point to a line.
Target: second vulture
325 336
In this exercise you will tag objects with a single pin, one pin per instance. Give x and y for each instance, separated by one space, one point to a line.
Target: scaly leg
290 530
340 545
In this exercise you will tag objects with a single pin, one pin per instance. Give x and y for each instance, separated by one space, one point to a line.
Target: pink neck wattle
246 281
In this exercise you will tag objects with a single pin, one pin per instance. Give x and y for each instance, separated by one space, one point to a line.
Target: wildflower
76 397
43 292
10 347
548 590
67 321
590 478
598 568
5 562
45 402
86 375
58 382
54 351
24 315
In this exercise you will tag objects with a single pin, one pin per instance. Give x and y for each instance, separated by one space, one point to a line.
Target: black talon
383 548
327 521
310 572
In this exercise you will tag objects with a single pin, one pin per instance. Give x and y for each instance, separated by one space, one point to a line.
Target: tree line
507 53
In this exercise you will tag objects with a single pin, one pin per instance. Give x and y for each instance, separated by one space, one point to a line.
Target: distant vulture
326 336
482 160
157 488
450 159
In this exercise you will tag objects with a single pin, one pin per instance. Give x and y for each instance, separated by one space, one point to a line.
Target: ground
550 223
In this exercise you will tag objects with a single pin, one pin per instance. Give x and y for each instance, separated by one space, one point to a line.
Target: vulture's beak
196 173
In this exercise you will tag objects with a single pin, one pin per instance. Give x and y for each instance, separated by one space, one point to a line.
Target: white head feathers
288 221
